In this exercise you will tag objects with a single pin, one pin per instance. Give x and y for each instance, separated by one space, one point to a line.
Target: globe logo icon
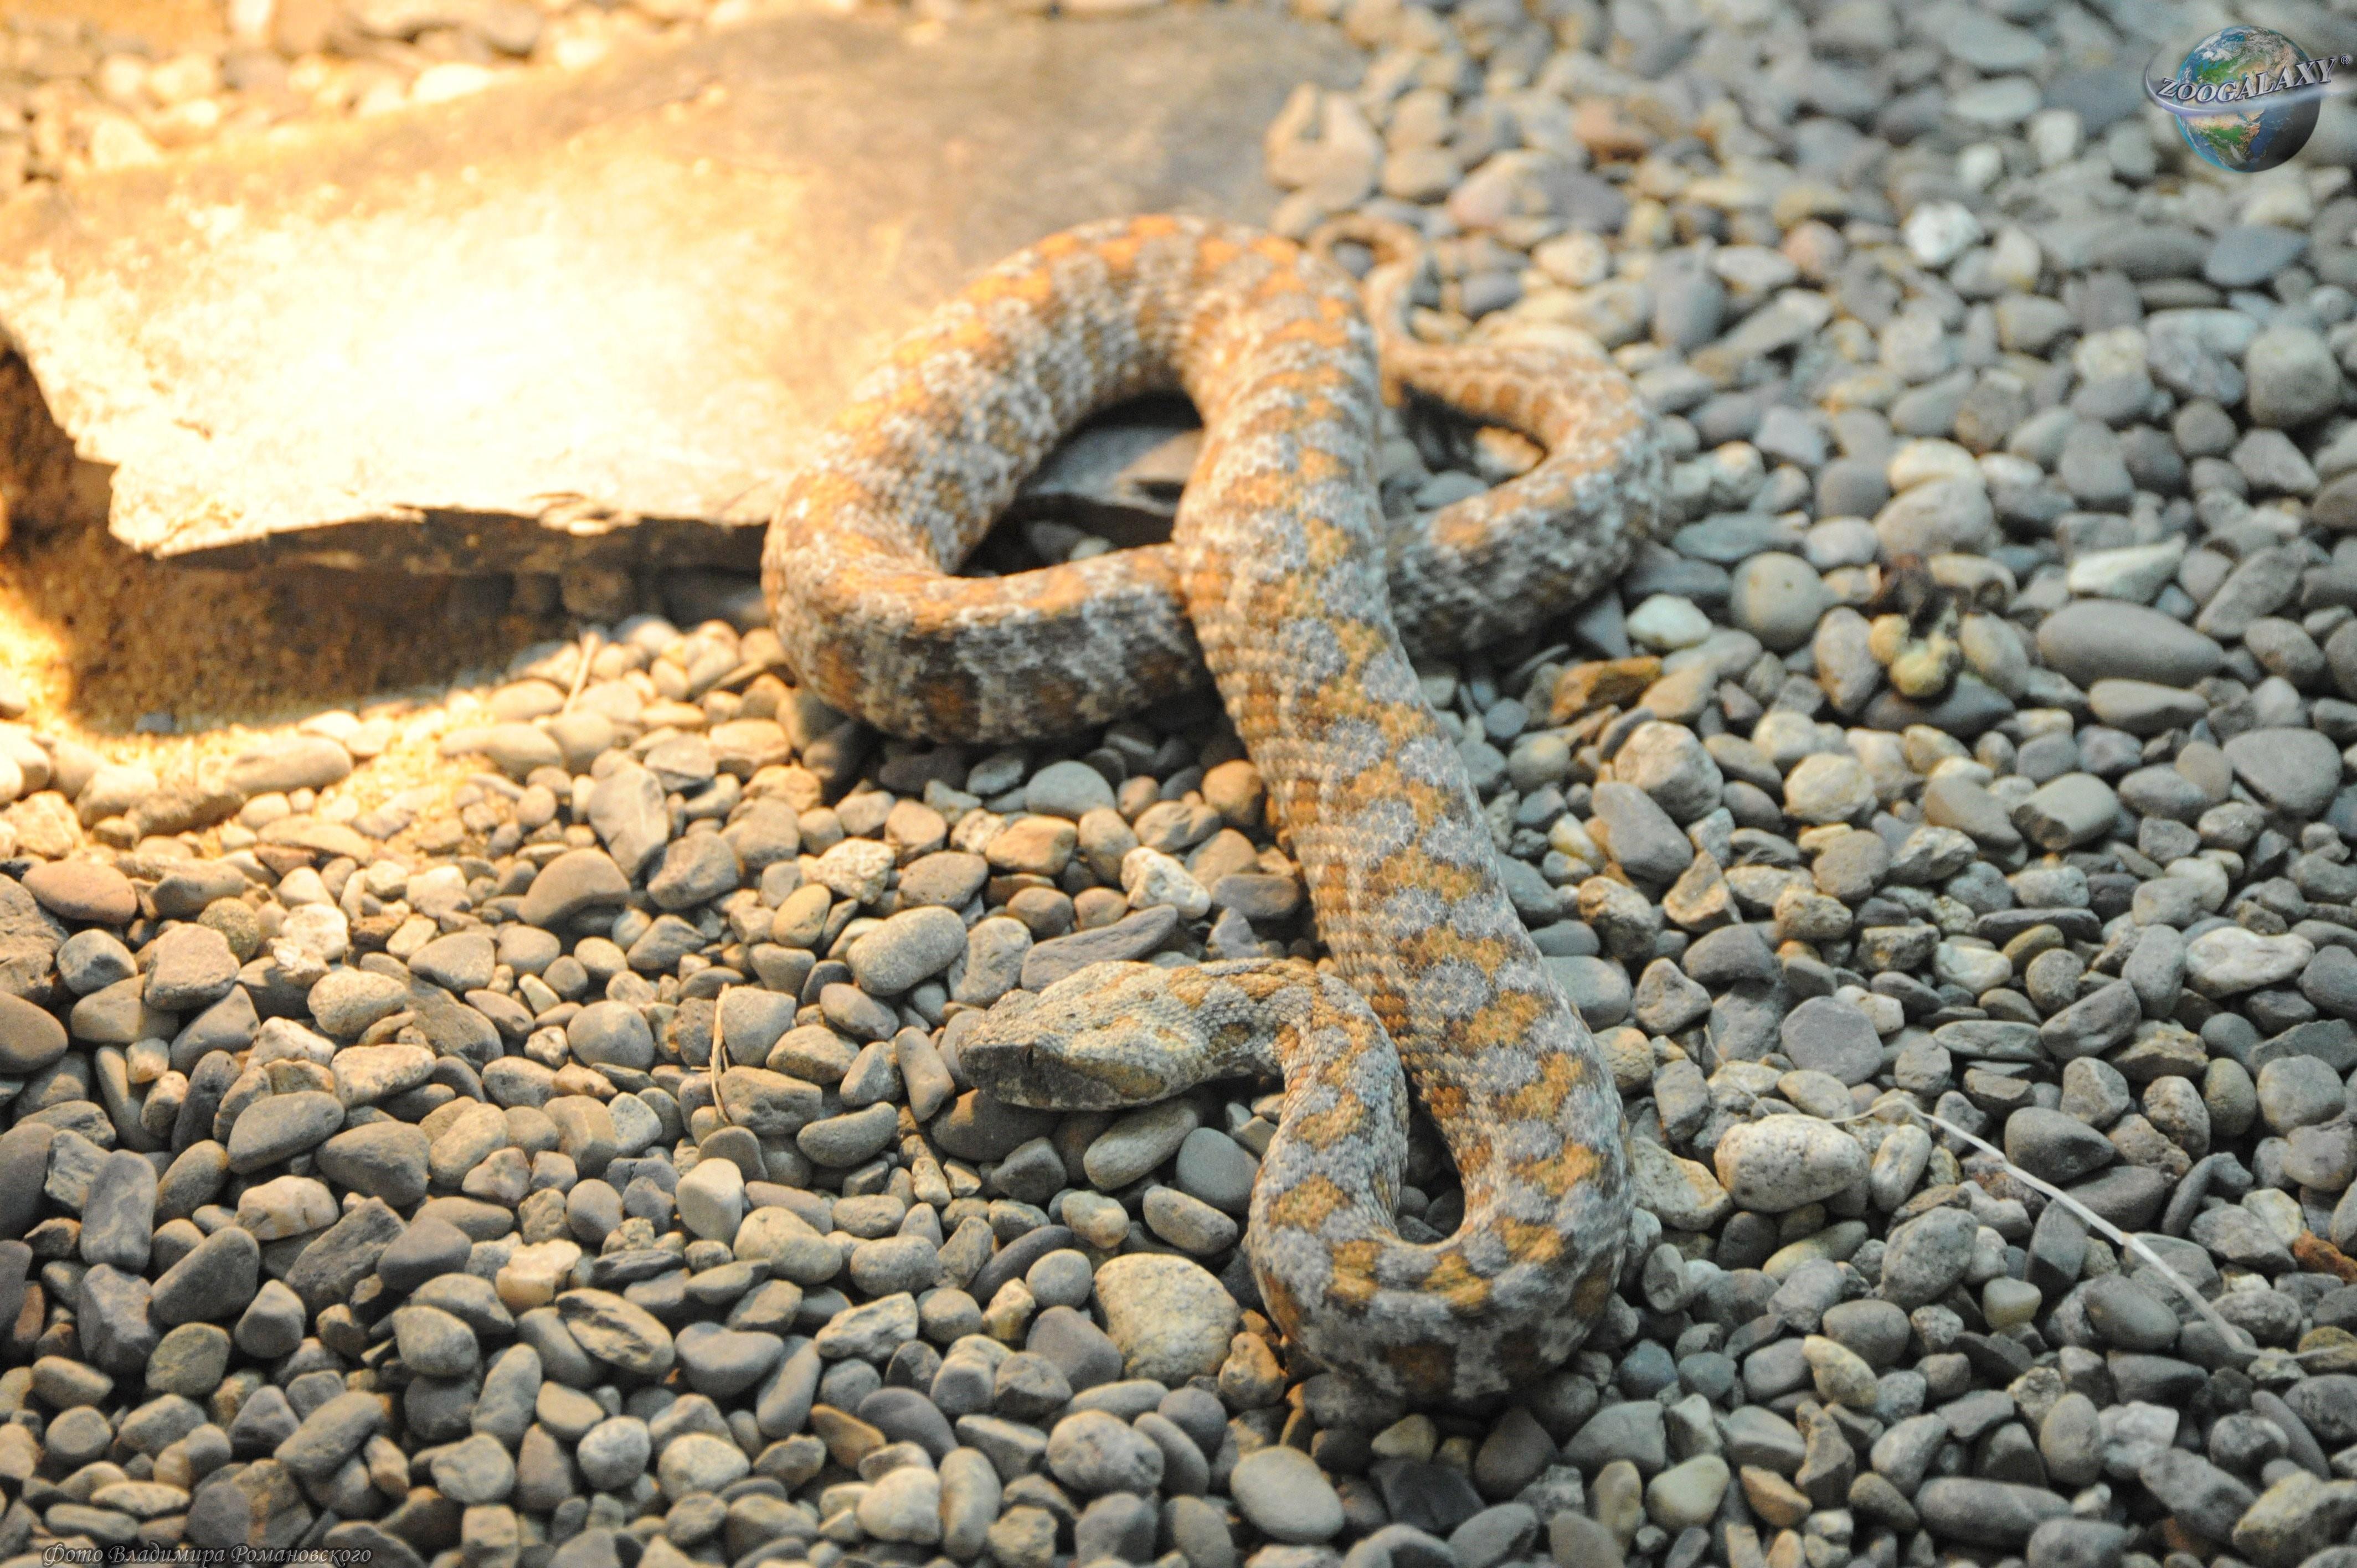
2246 98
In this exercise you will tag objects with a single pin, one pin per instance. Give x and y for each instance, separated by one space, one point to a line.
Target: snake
1283 581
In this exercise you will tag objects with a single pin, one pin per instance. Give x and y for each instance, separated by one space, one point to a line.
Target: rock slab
794 192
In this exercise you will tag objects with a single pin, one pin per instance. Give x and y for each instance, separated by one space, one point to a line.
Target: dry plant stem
717 1062
2234 1336
591 643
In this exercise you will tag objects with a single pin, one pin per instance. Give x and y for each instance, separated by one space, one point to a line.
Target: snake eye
1011 1006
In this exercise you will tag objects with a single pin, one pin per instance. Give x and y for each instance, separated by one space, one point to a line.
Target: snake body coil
1282 578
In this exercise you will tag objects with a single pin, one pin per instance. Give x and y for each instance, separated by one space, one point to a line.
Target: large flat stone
488 336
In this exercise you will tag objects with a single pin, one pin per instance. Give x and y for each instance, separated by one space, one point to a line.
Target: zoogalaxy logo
2245 98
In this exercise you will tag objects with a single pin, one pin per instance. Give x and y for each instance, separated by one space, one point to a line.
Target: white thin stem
590 644
717 1062
2234 1336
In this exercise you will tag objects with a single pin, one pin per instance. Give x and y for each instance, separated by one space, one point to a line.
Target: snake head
1091 1041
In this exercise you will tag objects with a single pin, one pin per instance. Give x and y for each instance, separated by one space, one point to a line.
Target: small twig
717 1062
2234 1336
590 644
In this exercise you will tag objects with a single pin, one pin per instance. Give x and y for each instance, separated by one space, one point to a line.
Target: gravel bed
1949 811
82 94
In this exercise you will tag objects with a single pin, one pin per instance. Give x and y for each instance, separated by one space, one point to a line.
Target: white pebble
2056 135
2016 260
1978 165
1668 622
1920 462
1152 878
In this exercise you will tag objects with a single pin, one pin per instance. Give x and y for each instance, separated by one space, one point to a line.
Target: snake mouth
1003 1069
1013 1057
1062 1052
1020 1070
997 1058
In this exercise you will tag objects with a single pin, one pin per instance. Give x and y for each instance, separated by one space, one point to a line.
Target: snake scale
1284 580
